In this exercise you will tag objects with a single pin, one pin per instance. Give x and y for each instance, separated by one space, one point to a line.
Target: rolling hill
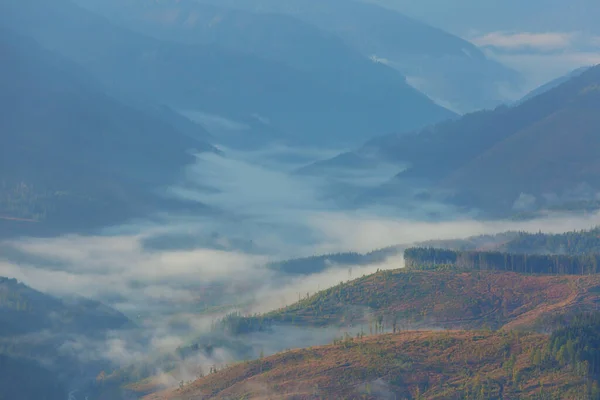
441 299
308 106
381 355
407 365
74 157
425 295
512 279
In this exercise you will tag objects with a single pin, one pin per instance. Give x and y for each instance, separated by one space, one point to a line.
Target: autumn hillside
404 299
407 365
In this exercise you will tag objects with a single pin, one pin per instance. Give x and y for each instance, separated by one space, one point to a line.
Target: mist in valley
171 166
175 276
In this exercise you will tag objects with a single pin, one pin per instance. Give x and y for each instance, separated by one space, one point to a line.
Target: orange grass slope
407 365
444 299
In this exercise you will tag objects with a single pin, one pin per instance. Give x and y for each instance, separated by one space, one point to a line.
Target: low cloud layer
526 40
267 214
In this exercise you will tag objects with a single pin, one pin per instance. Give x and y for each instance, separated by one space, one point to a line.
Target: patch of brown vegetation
444 299
426 365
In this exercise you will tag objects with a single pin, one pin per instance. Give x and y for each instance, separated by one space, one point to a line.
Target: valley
334 199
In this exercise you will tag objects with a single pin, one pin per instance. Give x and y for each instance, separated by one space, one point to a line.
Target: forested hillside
555 264
552 160
571 243
409 299
415 365
367 362
315 264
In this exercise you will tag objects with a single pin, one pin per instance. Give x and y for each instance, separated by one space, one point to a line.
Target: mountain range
538 153
73 156
38 340
309 106
110 109
434 61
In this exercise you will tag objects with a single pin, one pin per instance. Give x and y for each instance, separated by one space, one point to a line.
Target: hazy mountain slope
554 159
23 379
181 123
442 148
443 299
26 311
554 83
545 145
73 157
205 78
277 37
444 66
407 365
52 337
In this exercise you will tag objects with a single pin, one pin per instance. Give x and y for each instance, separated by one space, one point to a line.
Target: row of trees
571 243
432 258
314 264
235 323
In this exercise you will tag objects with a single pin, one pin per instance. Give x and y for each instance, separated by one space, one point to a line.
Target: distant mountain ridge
310 107
537 153
554 83
553 160
447 68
